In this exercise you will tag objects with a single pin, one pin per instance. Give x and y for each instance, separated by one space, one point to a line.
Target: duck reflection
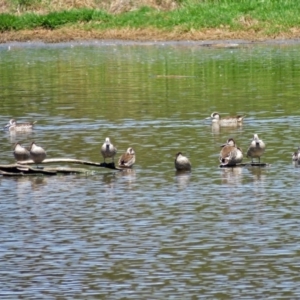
22 187
259 174
296 164
25 182
216 128
128 176
109 179
232 176
130 173
29 192
38 181
15 137
182 179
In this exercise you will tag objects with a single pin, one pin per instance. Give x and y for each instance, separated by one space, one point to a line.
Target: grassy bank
181 19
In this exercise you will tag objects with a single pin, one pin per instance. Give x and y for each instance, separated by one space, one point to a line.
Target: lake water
150 233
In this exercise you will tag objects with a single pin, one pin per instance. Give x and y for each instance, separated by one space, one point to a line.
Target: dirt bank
70 34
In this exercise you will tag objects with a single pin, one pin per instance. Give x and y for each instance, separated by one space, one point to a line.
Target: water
151 233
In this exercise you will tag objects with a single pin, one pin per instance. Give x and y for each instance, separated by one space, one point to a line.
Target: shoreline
208 36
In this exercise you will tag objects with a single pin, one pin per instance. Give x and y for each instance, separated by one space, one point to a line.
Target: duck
20 152
182 163
108 150
256 149
127 159
37 153
226 121
296 155
19 127
230 154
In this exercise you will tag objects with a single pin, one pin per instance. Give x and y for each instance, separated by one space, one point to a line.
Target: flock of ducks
126 160
34 152
230 154
38 154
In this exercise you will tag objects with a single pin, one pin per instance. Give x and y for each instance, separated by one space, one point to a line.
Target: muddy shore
70 34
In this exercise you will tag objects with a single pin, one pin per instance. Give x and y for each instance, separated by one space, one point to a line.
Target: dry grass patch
121 6
111 6
4 7
247 21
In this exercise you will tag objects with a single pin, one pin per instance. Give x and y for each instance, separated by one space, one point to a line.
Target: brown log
74 161
22 168
246 165
19 170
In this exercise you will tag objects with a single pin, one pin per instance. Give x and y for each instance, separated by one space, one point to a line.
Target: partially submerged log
246 165
19 170
22 168
72 160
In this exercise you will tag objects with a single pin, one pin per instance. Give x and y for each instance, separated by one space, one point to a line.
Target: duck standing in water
226 121
13 126
256 148
37 153
20 152
127 159
230 154
108 150
182 163
296 156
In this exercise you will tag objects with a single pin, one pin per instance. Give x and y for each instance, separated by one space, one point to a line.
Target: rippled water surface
150 233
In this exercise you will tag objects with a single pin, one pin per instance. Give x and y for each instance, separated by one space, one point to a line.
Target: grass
269 16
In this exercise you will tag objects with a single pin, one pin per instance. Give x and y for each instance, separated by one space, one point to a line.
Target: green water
113 84
136 77
150 233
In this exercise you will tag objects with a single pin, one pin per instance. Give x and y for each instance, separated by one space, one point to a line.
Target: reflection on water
217 129
296 164
258 173
219 232
182 179
232 176
128 177
14 137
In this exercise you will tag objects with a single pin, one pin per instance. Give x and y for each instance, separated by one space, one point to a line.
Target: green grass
269 15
